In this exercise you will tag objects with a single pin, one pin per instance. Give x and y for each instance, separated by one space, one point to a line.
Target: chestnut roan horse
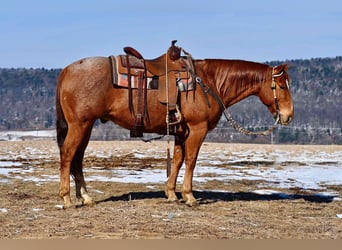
85 93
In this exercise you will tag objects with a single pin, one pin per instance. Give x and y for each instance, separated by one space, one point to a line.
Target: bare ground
135 211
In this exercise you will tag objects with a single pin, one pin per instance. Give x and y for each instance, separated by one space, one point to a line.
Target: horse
85 93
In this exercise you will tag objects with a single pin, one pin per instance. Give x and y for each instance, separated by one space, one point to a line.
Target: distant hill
27 98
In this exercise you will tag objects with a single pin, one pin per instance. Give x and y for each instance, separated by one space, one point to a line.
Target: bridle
273 87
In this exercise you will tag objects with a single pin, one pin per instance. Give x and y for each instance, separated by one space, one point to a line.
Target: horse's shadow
207 197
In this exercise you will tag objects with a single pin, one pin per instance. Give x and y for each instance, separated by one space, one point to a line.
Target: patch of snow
9 164
37 209
21 135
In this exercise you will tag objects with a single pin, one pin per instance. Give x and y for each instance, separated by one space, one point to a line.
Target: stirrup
178 116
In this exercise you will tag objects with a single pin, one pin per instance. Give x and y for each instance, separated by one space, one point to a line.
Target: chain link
242 130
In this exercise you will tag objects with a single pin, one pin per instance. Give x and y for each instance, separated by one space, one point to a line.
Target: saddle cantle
168 74
133 52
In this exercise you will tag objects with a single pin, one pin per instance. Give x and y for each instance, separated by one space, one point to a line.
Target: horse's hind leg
72 153
77 171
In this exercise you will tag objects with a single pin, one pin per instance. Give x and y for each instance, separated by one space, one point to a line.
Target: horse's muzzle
282 119
285 120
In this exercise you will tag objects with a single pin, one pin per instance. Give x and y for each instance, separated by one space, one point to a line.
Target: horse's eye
285 86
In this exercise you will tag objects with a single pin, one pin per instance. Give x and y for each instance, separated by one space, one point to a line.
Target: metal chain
229 117
242 130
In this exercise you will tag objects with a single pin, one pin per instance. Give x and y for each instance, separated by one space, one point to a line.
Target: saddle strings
168 161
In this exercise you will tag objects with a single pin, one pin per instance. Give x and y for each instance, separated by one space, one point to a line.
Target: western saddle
165 73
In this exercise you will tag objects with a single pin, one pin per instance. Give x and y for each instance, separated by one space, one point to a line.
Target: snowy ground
275 166
22 135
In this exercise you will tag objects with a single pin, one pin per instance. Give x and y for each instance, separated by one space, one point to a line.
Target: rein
207 90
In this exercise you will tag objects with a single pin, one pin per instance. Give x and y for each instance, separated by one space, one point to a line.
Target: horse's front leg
192 146
177 161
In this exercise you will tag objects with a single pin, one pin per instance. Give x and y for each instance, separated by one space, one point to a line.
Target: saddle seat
136 66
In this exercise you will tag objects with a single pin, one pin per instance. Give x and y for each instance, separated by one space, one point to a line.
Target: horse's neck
231 86
236 92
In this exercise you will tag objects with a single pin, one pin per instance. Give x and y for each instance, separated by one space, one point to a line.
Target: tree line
27 98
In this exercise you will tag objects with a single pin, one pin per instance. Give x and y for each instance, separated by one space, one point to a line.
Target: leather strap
145 116
130 99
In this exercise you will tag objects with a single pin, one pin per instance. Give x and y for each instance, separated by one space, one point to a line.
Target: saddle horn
174 51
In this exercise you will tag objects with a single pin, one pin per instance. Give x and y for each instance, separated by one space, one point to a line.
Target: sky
53 34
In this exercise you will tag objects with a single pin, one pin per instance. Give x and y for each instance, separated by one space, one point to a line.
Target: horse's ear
281 68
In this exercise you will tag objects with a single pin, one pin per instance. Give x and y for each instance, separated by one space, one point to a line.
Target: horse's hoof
172 198
67 203
171 195
68 206
189 200
173 201
192 203
89 203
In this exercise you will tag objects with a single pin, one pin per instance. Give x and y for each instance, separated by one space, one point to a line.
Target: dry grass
133 211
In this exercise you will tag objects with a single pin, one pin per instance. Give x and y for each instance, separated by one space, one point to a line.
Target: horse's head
276 95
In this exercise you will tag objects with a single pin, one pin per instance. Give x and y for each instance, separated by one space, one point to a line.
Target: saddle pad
123 82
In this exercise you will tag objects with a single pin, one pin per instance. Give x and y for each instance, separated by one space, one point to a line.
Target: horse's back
87 73
86 67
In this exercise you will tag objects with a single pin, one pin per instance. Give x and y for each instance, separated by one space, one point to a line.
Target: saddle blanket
123 82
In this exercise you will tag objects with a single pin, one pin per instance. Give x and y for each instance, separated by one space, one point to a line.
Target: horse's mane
235 74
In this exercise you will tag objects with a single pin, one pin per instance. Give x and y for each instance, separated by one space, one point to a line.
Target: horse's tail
61 124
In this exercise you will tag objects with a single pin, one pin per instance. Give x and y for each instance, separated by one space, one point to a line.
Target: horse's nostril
287 120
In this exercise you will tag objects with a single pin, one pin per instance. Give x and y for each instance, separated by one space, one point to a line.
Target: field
244 191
